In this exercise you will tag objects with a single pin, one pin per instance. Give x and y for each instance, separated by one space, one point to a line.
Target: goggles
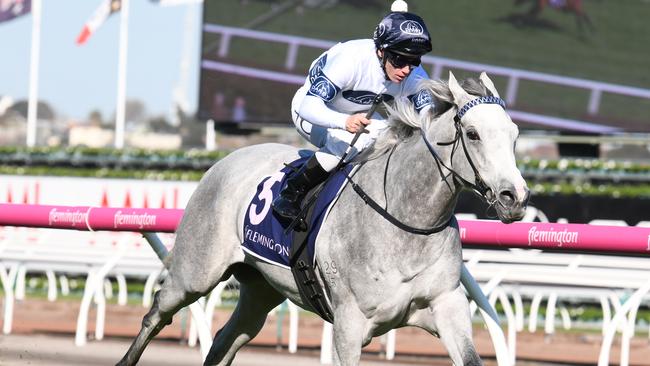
399 60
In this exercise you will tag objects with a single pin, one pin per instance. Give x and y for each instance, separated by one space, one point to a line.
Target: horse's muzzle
511 204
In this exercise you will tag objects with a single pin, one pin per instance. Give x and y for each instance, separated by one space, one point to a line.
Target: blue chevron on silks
264 235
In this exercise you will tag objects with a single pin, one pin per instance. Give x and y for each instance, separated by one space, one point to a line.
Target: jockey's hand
356 122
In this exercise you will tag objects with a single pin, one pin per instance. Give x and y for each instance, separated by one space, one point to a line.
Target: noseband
479 185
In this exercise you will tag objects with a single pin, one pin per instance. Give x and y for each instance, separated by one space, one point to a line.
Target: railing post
210 136
8 281
534 309
436 72
511 349
122 295
390 344
606 345
19 291
511 91
549 321
224 46
326 344
594 101
293 327
292 54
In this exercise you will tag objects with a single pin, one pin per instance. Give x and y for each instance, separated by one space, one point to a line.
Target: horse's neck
415 193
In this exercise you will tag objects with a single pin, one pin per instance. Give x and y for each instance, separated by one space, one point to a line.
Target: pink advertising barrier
577 237
537 235
90 218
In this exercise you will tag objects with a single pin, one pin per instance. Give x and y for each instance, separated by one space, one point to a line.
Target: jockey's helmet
403 33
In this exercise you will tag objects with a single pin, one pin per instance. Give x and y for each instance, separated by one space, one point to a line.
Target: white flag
106 8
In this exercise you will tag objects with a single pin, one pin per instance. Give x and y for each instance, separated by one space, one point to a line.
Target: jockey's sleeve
332 72
422 100
314 110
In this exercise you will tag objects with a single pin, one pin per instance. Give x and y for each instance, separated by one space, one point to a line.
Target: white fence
512 277
436 66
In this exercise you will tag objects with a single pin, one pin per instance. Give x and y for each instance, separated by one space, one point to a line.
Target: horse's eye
473 135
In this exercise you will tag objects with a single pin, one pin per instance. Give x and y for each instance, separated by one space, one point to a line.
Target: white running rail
437 64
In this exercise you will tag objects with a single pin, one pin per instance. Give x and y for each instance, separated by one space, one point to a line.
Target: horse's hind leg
256 299
448 317
167 302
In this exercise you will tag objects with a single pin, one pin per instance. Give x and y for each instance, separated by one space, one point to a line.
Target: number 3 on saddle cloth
266 239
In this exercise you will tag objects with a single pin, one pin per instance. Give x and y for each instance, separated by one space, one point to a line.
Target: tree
95 118
192 130
135 113
45 111
135 110
161 124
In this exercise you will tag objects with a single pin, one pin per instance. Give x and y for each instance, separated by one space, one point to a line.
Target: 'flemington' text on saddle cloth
264 235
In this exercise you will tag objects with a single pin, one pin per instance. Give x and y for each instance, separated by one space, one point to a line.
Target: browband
480 100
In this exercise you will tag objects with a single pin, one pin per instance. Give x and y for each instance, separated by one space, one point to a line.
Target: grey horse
379 276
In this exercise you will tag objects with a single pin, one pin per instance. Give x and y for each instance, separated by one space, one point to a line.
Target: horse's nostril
507 198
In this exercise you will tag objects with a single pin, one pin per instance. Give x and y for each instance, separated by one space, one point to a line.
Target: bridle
479 184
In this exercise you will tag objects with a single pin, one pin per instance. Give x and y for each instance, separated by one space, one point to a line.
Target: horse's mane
404 120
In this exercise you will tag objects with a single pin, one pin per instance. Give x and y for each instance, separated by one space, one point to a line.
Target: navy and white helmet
403 32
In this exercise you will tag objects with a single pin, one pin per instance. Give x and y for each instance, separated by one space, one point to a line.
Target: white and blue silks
345 80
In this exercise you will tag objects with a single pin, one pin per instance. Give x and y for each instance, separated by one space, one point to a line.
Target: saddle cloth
264 235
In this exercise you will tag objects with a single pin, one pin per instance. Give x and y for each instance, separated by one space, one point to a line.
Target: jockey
338 92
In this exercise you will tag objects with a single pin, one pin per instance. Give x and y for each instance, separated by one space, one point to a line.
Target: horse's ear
460 95
489 84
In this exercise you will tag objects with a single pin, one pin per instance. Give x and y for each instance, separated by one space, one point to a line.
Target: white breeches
333 142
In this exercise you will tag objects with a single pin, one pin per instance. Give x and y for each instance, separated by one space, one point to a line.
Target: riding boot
287 204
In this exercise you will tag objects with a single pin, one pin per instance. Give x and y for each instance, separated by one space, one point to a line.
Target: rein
392 219
478 186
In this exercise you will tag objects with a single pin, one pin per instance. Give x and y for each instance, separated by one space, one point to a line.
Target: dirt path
43 334
59 350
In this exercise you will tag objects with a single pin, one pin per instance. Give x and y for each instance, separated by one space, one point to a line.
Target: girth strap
304 273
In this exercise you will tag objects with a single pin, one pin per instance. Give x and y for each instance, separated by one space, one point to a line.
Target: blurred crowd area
97 131
186 132
143 131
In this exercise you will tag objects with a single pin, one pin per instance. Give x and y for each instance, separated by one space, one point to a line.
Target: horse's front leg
448 317
349 333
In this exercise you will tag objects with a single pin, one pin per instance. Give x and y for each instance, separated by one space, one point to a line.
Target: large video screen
560 65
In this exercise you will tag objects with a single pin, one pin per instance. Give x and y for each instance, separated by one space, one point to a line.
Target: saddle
275 240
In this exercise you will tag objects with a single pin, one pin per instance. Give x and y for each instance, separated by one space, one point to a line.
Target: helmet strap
383 60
